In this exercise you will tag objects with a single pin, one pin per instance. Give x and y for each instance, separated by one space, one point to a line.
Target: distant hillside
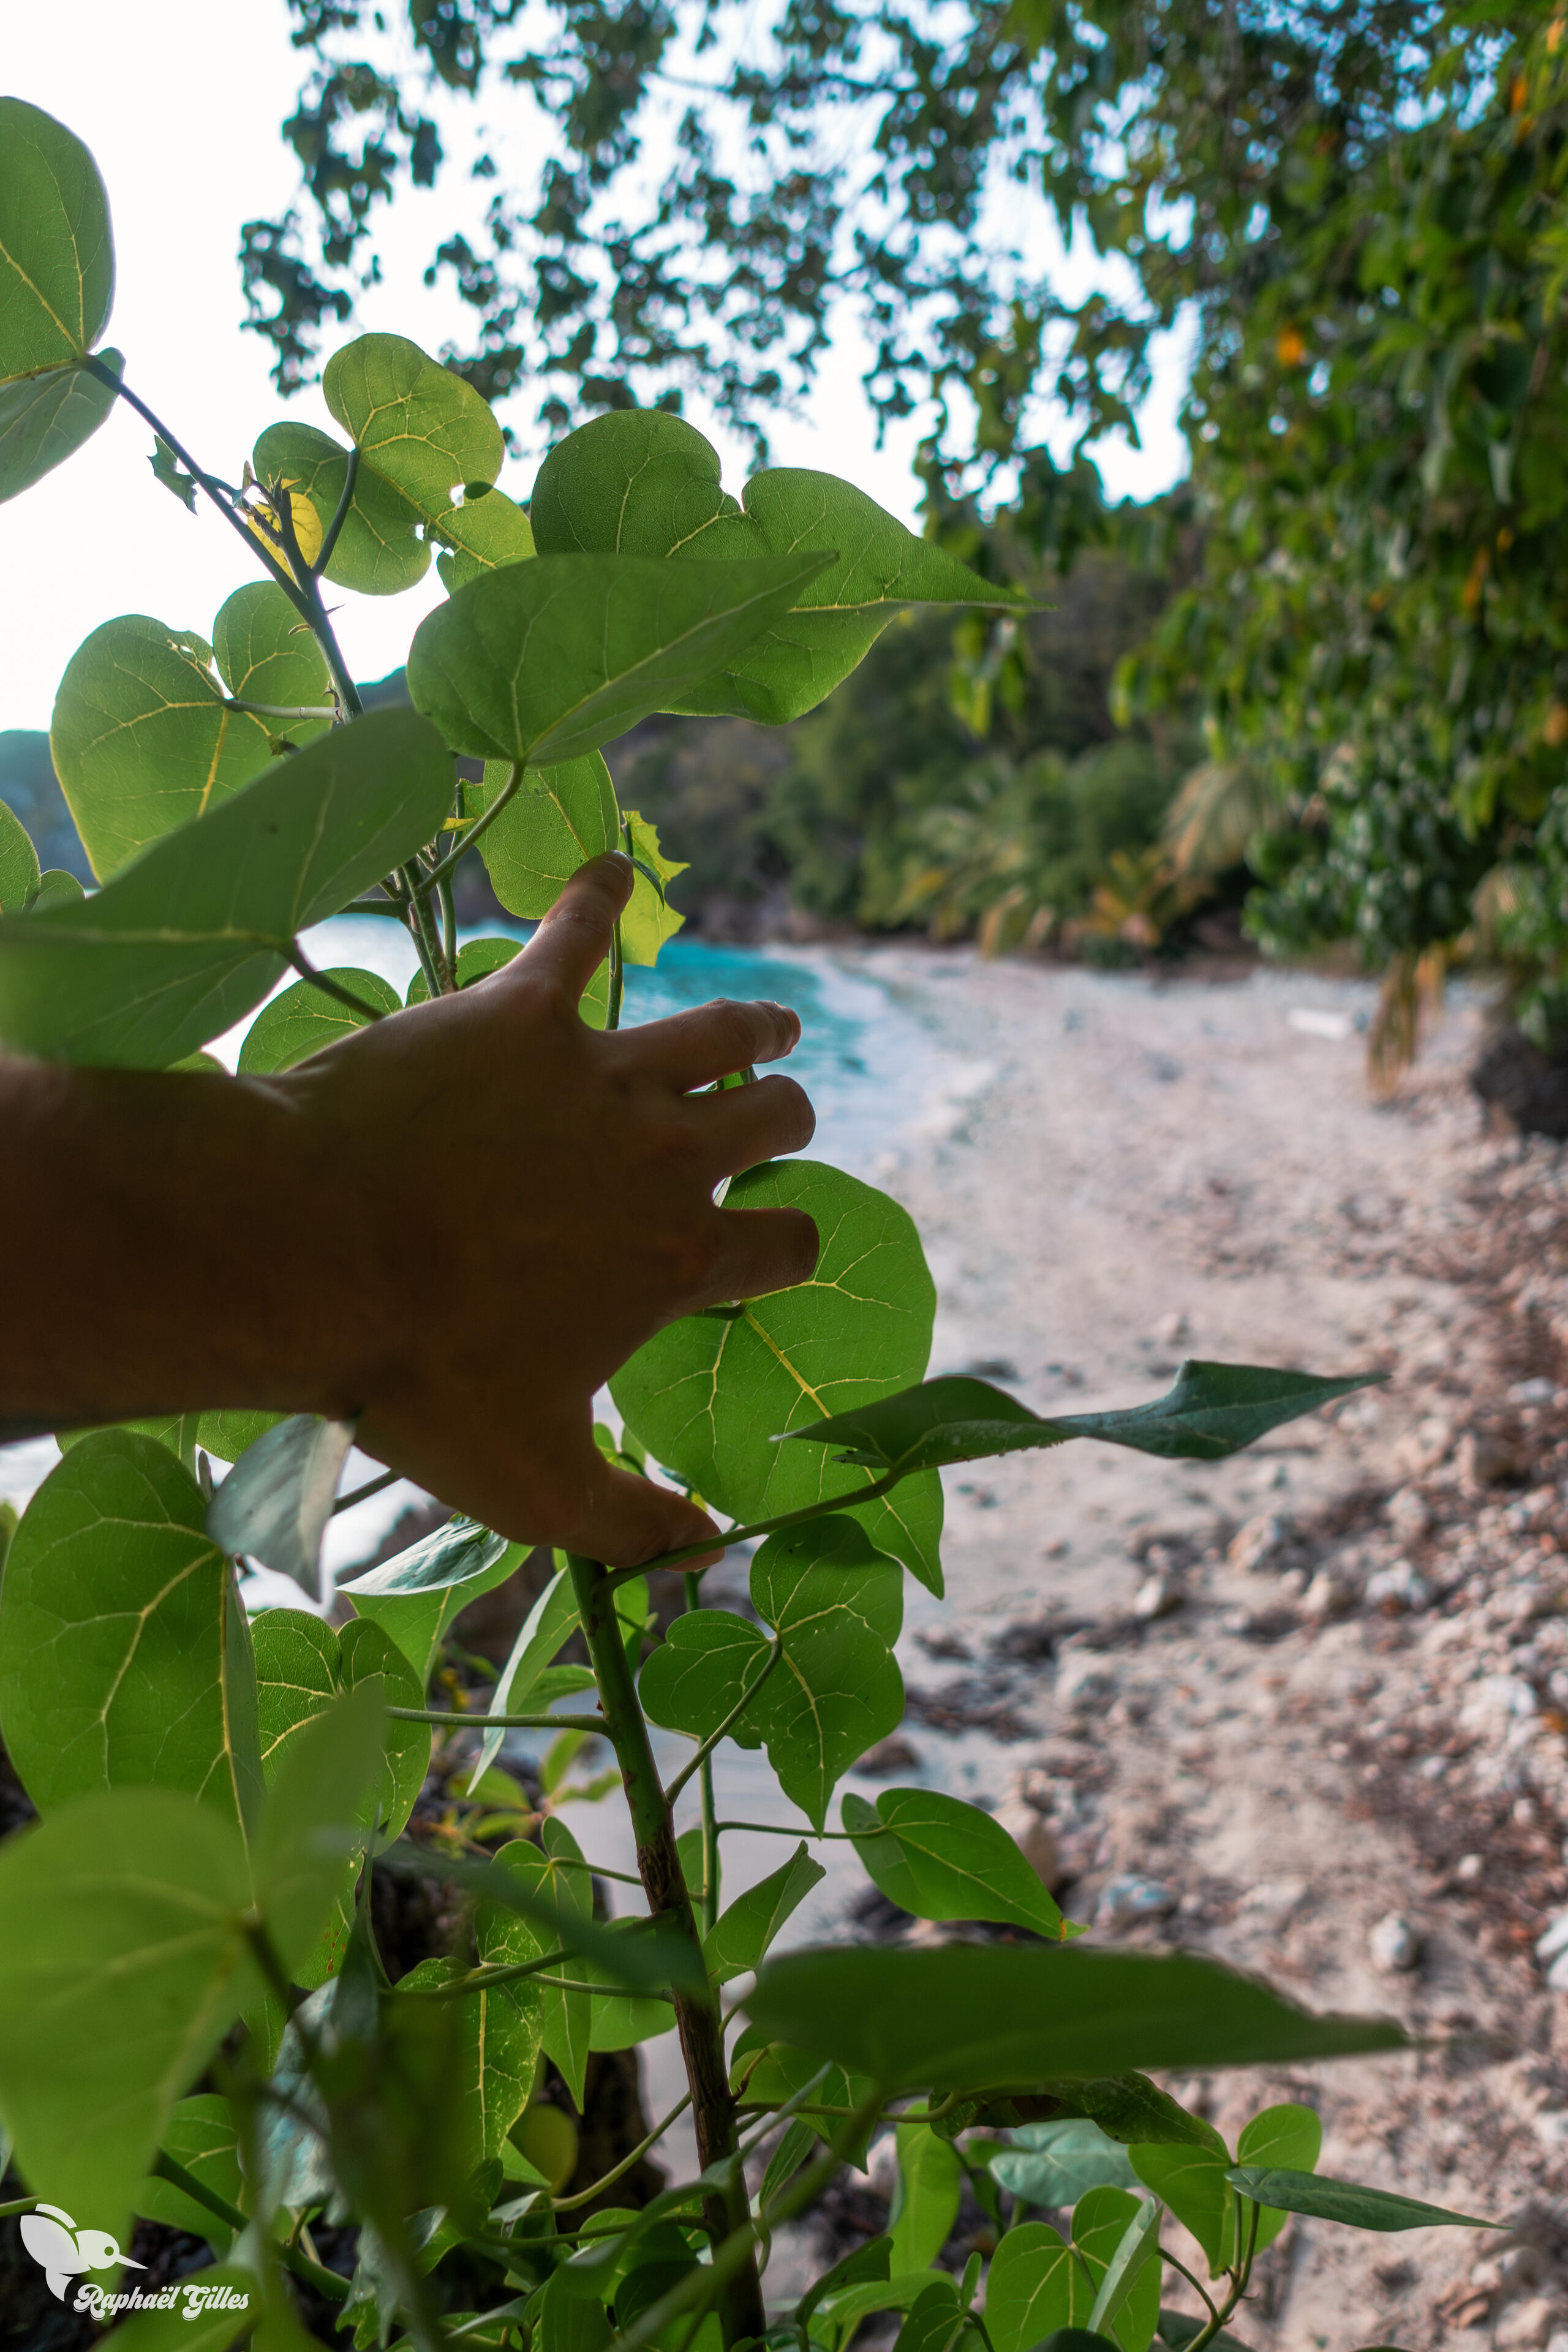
29 788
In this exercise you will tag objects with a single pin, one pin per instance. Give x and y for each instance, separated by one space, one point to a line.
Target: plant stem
168 2168
345 500
448 927
1239 2279
617 980
225 505
283 709
448 863
329 987
697 2018
761 1527
587 2196
456 1722
362 1493
1193 2282
708 1910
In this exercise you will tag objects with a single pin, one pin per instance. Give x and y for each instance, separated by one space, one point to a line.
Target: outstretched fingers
760 1250
715 1040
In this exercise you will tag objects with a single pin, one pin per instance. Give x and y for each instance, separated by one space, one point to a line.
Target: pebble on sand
1394 1945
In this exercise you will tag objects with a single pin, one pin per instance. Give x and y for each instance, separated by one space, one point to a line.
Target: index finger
574 937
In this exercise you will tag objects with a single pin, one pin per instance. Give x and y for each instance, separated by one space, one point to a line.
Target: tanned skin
454 1226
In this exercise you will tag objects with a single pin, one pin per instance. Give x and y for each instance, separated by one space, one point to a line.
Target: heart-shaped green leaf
979 2017
142 738
422 428
481 535
1052 2164
555 1876
184 941
44 419
1290 2136
707 1395
125 1657
57 257
541 662
836 1605
941 1859
1213 1410
379 550
499 2030
640 482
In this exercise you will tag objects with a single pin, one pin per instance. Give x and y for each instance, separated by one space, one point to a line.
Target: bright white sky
181 101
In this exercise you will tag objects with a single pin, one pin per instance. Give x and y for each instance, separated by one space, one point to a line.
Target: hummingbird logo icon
61 2250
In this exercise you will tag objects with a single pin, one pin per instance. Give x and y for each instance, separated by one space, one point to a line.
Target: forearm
173 1242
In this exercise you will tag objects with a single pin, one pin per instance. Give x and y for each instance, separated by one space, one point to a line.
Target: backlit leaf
481 534
976 2017
304 1018
708 1394
941 1859
184 941
57 257
541 662
125 1657
142 740
556 820
422 428
543 1631
476 959
44 419
1290 2136
379 551
640 482
649 919
925 2206
1213 1410
550 1876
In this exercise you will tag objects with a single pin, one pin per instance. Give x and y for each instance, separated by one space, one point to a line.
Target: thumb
627 1520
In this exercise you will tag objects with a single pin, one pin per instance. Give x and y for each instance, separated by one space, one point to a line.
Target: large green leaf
1118 2239
836 1605
640 482
125 1658
301 1668
941 1859
1290 2136
413 1596
422 428
301 1020
142 738
173 950
327 1779
57 257
481 534
44 419
708 1394
1344 2200
1213 1410
264 654
976 2017
743 1933
541 662
556 820
18 862
201 2136
1036 2283
122 1963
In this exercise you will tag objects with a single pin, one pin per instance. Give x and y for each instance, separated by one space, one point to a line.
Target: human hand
534 1200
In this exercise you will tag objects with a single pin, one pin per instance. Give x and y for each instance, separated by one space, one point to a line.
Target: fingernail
618 857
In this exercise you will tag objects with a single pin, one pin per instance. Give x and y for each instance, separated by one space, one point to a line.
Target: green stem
708 1905
334 988
1195 2283
480 825
761 1527
448 927
168 2168
781 1829
587 2196
456 1722
224 503
617 986
1239 2279
345 500
775 1652
697 2018
362 1493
